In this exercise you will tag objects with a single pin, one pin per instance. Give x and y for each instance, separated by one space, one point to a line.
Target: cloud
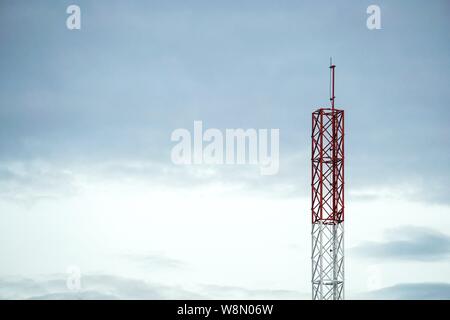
55 104
30 181
225 292
93 286
111 287
154 261
84 295
412 291
408 243
409 188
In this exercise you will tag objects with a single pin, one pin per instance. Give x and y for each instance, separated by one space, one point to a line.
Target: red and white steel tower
327 197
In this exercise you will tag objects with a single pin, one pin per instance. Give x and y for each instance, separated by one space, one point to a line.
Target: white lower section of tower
327 261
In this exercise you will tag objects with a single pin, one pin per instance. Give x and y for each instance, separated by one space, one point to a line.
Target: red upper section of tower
327 162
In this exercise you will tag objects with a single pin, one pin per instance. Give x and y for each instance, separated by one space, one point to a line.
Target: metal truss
327 197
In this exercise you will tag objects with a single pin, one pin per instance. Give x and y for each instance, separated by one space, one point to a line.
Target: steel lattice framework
327 197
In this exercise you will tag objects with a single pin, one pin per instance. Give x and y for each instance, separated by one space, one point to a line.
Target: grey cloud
54 104
154 261
411 291
84 295
97 286
28 182
289 182
227 292
399 185
44 179
408 243
93 286
292 180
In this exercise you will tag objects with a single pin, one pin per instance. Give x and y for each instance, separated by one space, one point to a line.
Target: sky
86 177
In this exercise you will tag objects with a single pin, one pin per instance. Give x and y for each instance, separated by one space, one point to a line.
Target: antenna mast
327 200
332 67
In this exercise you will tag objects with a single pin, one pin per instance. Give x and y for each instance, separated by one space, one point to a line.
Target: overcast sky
86 177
